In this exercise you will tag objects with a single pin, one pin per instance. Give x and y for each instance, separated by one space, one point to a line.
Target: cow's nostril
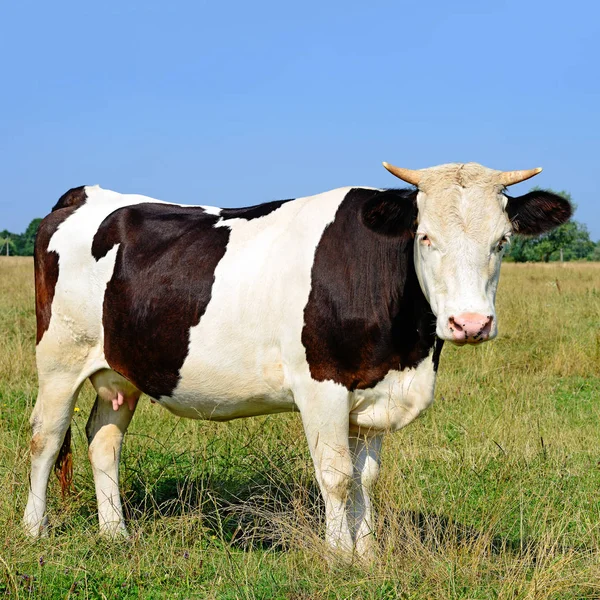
454 325
487 327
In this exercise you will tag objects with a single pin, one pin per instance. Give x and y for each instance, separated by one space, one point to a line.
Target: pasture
493 493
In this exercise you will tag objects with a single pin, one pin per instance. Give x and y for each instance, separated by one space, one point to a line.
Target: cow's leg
50 421
366 453
105 429
326 423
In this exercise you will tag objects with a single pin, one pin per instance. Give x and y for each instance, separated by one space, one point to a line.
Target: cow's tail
63 467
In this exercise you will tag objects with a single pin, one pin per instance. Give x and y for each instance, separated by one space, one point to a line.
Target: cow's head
464 220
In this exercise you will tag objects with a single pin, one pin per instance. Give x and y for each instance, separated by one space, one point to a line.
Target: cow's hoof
36 529
340 556
114 531
365 552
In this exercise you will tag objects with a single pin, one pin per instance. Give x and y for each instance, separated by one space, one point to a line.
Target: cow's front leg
325 418
366 452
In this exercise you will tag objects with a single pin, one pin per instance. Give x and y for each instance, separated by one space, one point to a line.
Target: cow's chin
467 342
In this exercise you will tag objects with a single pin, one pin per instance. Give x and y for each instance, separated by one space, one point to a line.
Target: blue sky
235 103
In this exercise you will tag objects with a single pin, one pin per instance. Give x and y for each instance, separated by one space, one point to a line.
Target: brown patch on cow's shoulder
366 313
46 263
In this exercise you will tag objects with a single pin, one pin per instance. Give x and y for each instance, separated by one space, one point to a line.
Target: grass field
493 493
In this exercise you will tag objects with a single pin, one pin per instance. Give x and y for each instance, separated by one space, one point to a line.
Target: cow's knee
370 474
337 481
104 447
37 444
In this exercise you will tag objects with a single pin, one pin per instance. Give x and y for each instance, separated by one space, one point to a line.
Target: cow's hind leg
112 412
50 422
325 416
366 458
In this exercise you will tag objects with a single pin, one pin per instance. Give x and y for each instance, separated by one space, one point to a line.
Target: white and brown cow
334 305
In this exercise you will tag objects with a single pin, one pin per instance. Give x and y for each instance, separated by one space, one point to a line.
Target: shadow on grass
273 509
249 500
253 497
249 513
435 532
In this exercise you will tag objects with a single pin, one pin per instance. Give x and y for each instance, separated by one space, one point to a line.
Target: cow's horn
511 177
407 175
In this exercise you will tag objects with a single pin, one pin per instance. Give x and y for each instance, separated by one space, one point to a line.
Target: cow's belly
214 395
395 401
213 408
224 381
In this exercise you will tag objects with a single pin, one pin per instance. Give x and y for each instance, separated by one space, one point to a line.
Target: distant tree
28 238
20 244
519 250
7 244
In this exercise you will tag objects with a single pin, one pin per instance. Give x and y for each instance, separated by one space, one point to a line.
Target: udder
114 388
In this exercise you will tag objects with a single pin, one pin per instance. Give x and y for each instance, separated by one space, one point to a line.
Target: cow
335 305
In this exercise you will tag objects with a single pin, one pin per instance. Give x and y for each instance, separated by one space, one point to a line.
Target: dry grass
493 493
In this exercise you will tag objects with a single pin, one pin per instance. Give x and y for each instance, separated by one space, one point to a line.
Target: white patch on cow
211 210
395 401
228 222
253 323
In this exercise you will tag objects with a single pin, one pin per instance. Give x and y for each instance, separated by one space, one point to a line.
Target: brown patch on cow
46 263
74 198
63 467
366 313
249 213
37 444
160 288
46 276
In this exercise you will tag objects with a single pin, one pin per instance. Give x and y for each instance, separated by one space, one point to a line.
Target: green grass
493 493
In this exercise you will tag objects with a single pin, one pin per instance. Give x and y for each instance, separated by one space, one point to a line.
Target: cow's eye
424 239
503 242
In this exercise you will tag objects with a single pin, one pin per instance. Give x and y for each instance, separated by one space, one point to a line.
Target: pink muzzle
470 328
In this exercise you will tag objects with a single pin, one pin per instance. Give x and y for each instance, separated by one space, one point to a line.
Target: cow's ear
538 212
391 212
